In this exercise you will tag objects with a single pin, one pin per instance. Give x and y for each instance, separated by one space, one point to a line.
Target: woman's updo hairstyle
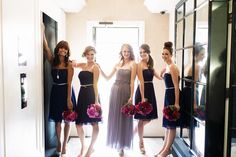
198 48
168 45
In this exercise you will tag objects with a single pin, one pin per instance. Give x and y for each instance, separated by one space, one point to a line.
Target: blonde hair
87 49
132 57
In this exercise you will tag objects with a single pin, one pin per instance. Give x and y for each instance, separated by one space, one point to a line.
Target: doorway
108 38
50 133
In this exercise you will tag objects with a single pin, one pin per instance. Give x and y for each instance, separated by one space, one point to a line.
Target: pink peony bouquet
144 108
171 113
128 109
69 116
94 111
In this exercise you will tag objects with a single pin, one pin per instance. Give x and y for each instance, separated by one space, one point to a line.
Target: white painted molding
71 6
2 122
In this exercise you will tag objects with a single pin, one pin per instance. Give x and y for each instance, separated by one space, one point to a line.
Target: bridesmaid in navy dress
171 78
88 94
145 91
61 93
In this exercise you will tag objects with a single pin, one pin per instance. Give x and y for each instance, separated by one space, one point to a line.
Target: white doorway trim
2 113
127 24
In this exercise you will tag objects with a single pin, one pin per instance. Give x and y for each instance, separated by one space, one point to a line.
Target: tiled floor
152 146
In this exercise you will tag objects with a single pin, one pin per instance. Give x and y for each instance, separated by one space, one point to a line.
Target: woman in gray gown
120 127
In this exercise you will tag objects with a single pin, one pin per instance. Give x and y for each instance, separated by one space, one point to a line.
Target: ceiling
154 6
158 6
71 5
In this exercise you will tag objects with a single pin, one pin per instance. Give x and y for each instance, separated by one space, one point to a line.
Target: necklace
58 74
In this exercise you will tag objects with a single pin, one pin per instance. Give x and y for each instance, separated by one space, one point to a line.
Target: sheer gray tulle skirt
120 127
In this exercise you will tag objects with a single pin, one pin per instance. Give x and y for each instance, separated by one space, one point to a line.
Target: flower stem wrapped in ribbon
94 111
128 109
69 116
144 108
171 113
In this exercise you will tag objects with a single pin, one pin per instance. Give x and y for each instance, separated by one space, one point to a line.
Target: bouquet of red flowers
69 116
144 108
94 111
200 112
171 113
128 109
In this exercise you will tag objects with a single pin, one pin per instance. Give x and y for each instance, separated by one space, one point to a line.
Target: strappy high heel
121 152
160 155
141 147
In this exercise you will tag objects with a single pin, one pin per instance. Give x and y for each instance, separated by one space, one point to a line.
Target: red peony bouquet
144 108
94 111
171 113
128 109
200 112
69 116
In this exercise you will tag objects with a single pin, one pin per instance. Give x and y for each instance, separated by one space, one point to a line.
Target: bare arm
175 78
141 80
162 72
77 65
108 77
157 75
133 74
95 82
46 50
69 80
196 78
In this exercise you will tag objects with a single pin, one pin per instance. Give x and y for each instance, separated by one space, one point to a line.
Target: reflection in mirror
199 73
188 54
186 135
199 2
180 13
233 128
187 88
189 6
178 60
179 35
186 103
202 25
199 138
200 62
199 101
189 31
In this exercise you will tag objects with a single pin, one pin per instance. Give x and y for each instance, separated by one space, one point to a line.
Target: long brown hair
56 60
132 57
150 62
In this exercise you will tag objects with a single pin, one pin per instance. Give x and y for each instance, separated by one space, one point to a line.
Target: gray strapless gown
120 127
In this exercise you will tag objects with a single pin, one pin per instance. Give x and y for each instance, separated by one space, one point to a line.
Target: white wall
2 140
21 125
22 129
156 33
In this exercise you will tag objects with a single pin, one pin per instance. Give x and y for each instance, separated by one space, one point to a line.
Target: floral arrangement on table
144 108
128 109
171 113
199 112
69 116
94 111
